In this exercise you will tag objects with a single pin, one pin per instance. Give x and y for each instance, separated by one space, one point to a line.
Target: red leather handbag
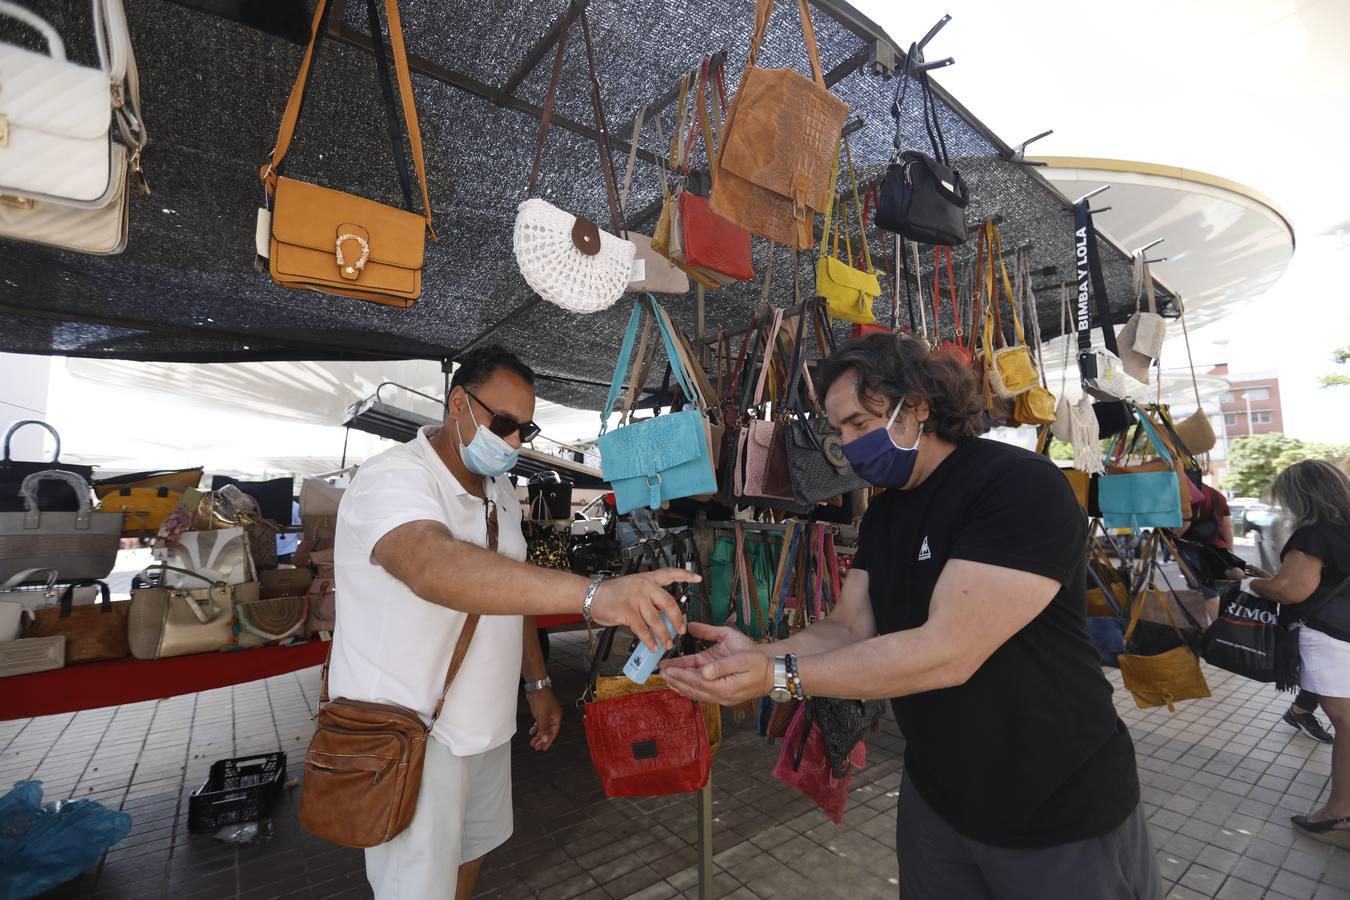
710 241
955 349
864 330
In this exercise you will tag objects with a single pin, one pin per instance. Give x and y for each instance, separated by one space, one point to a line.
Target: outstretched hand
637 602
730 672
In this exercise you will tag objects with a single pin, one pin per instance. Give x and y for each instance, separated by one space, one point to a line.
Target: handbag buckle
15 202
352 271
4 131
653 490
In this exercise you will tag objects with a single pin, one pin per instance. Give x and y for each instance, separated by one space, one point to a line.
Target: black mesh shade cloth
213 89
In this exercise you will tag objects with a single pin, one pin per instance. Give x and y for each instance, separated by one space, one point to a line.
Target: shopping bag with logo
782 132
568 260
1247 638
327 240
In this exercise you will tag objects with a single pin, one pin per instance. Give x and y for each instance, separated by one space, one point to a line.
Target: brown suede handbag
337 243
772 173
94 631
363 771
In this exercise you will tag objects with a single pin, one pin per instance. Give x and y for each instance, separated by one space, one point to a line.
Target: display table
120 681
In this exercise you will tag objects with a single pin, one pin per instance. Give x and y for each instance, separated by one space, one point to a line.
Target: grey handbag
816 460
82 544
165 621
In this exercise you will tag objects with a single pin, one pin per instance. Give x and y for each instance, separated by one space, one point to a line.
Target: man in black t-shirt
965 607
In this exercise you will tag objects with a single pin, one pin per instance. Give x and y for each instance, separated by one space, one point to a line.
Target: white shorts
1324 663
463 812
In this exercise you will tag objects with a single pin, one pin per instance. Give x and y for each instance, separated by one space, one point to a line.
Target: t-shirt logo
924 552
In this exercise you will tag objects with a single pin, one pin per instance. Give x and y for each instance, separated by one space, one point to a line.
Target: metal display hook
1019 154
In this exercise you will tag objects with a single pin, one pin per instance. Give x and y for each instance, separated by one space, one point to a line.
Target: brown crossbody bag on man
363 771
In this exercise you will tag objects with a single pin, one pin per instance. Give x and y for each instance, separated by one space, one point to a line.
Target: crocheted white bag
568 261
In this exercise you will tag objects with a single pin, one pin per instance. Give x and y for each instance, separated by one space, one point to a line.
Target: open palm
727 642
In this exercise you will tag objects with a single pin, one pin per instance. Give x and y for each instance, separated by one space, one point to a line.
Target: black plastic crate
237 790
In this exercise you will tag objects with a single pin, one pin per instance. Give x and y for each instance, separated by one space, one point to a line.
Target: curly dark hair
896 367
478 366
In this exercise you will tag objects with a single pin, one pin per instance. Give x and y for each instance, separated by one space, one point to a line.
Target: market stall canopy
186 288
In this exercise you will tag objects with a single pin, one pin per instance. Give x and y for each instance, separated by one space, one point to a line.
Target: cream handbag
568 260
63 181
221 554
652 273
165 621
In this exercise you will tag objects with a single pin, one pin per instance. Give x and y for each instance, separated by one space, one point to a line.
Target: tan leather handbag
337 243
93 632
177 621
772 171
363 771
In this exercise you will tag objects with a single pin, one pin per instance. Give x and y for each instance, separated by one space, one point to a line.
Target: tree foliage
1253 462
1340 356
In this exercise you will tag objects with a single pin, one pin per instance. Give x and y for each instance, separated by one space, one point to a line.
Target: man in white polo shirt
414 558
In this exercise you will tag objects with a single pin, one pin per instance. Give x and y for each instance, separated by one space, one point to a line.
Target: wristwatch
780 692
533 686
590 597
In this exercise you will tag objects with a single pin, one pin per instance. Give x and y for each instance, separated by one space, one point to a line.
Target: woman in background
1314 565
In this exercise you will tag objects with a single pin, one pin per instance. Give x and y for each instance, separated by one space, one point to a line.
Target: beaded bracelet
794 680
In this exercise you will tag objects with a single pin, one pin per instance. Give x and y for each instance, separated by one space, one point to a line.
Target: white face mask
487 454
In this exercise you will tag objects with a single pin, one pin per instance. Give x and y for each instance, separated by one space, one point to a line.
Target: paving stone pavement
1220 779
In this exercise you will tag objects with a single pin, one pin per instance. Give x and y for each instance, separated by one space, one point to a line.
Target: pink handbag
761 453
802 764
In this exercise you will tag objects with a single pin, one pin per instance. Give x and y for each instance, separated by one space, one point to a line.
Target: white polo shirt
391 645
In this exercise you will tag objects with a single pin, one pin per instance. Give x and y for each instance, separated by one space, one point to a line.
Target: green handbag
760 559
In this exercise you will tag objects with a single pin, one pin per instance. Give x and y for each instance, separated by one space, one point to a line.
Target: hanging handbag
648 744
761 457
1035 406
815 451
662 458
82 544
566 259
804 764
708 243
1142 499
652 273
610 687
1142 337
321 598
176 621
53 495
843 724
956 349
772 172
848 292
1010 369
1161 679
337 243
64 181
93 632
145 498
320 497
1195 431
1101 370
922 197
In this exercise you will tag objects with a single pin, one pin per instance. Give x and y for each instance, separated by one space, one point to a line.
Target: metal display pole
705 841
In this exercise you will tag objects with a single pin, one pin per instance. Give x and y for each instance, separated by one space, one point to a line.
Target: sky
1255 91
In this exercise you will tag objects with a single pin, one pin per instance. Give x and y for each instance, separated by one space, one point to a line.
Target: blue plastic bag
43 847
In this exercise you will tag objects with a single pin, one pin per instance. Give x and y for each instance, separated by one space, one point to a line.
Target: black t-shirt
1330 544
1029 752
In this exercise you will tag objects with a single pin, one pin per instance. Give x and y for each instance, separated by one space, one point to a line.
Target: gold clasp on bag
353 271
16 202
4 131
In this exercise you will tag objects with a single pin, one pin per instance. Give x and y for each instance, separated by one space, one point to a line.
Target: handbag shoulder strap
770 344
763 12
290 118
1091 281
56 48
858 209
621 365
832 199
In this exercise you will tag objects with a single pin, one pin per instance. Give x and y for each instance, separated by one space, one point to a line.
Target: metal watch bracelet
535 686
590 598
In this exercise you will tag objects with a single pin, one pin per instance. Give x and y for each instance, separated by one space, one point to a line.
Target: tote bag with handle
849 292
326 240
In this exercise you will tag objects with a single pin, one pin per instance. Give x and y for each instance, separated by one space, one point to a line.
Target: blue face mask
487 454
879 460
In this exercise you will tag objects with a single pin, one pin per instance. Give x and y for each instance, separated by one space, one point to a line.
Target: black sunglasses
503 425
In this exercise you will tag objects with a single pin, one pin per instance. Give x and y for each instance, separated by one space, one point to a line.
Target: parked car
1267 527
1240 507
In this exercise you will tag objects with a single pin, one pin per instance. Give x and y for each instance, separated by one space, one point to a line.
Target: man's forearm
893 665
532 666
471 579
821 637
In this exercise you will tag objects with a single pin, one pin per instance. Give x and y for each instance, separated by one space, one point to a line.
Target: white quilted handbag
63 180
569 261
566 259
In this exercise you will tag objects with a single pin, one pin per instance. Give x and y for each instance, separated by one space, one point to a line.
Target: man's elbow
957 670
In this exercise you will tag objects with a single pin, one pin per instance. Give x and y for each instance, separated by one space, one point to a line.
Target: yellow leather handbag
1011 370
848 292
326 240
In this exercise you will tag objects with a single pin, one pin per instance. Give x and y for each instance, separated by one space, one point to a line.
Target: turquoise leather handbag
1138 500
662 458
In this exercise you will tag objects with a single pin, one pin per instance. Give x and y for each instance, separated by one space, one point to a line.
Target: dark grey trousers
938 863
